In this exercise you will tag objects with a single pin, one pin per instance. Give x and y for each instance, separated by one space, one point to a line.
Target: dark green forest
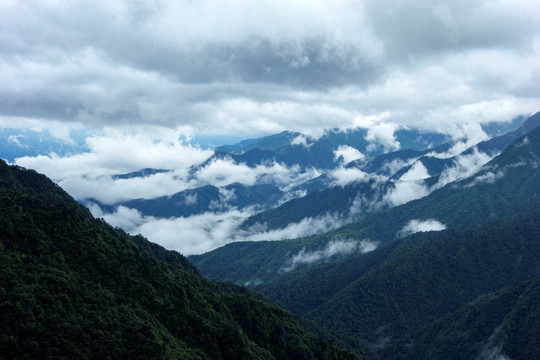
74 287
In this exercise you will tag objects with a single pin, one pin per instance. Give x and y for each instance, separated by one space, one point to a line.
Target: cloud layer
416 225
245 69
333 248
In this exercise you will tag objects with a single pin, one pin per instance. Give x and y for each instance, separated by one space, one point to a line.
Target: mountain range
395 278
429 251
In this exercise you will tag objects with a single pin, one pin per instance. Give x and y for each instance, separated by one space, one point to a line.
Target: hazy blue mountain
271 142
296 149
499 128
72 286
140 173
15 143
204 199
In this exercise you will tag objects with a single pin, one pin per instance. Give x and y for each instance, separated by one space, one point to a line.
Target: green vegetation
408 283
504 323
74 287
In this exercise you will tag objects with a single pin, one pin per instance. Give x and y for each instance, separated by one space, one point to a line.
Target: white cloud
204 232
221 172
416 225
343 176
383 135
389 168
108 190
464 166
405 191
466 136
15 140
307 226
190 200
118 151
300 140
123 217
346 154
411 185
90 174
417 172
487 177
333 248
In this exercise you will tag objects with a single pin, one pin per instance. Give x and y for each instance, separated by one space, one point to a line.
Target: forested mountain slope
506 186
72 286
500 325
408 283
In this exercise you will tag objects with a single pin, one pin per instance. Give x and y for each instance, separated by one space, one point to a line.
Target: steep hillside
408 283
74 287
500 325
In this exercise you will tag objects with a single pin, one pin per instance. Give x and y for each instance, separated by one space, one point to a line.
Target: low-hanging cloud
333 248
404 191
417 172
411 185
204 232
222 172
92 174
300 140
465 136
464 166
486 178
416 225
345 154
343 176
383 135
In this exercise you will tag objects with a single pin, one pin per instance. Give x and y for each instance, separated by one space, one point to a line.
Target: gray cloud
238 68
143 77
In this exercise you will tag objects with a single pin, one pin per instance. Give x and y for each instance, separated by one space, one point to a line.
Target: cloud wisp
416 225
204 232
332 249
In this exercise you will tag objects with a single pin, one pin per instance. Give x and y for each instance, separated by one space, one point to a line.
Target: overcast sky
248 68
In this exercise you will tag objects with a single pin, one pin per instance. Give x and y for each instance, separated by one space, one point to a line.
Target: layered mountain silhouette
451 275
434 254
